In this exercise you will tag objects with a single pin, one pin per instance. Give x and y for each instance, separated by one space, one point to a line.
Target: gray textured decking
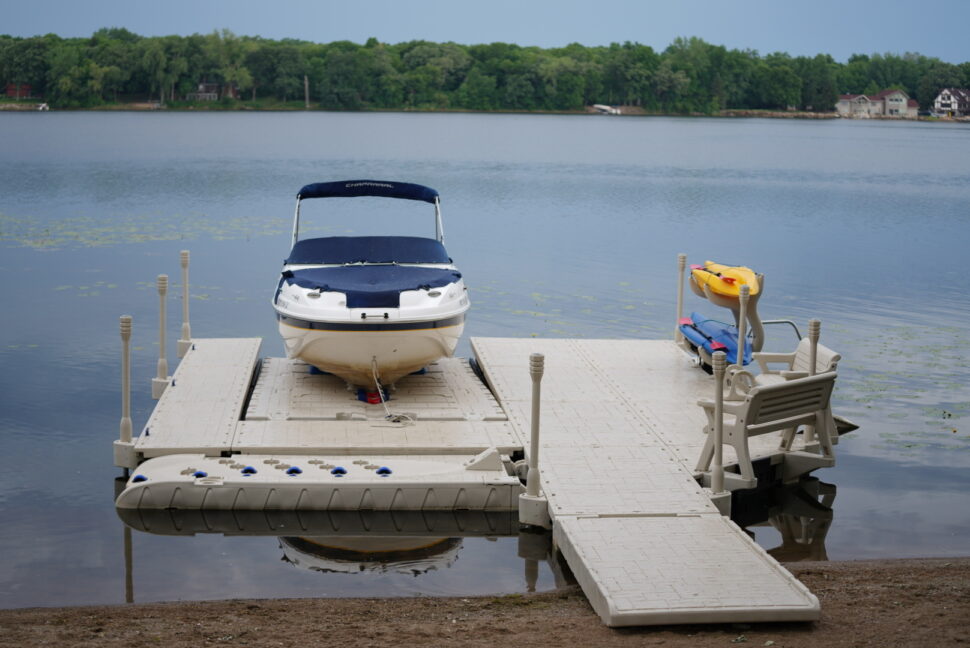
620 435
292 411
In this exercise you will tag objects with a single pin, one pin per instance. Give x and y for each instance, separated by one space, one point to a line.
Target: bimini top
355 188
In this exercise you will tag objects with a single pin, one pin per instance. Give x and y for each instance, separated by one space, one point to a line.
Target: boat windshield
340 250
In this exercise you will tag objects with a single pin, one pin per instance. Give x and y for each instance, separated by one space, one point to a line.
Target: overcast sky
838 27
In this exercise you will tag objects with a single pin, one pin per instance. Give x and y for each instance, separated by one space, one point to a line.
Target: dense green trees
689 76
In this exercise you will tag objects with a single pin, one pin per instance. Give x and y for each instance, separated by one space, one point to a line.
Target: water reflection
371 545
800 513
416 544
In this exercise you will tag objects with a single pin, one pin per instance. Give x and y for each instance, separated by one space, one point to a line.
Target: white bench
796 363
769 408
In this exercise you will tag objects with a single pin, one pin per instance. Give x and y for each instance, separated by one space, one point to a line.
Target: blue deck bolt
248 470
295 470
339 471
200 473
383 471
138 478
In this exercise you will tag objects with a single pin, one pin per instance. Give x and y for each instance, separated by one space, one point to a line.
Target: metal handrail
785 321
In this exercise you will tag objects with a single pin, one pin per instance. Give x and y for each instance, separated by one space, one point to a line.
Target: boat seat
796 363
769 408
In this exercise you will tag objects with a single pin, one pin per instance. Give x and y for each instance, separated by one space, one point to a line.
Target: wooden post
160 381
306 92
717 470
185 342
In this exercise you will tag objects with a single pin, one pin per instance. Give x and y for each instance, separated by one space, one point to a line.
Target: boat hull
351 351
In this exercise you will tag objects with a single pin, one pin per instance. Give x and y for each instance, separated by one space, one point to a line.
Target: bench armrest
763 359
728 407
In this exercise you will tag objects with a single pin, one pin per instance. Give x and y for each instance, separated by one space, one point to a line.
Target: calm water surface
563 226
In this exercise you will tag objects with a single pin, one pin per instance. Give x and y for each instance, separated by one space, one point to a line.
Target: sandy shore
870 603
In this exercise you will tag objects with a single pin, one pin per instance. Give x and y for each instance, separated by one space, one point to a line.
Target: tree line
689 76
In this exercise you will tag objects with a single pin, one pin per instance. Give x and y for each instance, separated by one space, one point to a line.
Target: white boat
370 309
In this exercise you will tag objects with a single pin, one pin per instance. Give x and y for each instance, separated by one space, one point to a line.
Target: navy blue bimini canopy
368 249
354 188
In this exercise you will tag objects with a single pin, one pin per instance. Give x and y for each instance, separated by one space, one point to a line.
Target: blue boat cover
715 336
354 188
371 286
372 249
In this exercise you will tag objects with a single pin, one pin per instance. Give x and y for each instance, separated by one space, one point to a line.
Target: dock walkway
620 434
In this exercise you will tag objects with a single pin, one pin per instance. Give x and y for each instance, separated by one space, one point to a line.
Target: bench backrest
825 358
781 401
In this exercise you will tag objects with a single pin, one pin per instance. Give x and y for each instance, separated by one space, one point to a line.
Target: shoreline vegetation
910 602
624 111
223 71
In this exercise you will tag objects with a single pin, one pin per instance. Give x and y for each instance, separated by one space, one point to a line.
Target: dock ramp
620 433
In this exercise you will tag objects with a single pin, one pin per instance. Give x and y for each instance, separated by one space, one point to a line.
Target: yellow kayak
725 280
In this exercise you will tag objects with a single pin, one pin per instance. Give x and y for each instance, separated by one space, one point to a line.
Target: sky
837 27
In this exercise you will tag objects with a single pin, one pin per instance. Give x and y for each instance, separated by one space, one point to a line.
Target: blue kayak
712 335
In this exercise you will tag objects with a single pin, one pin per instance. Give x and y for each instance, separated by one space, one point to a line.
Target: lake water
564 226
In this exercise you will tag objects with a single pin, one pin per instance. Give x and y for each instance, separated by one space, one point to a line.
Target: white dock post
125 326
533 508
717 470
814 330
185 342
160 382
743 297
681 266
536 369
123 447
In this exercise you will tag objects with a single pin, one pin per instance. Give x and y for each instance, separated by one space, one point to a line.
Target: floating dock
621 433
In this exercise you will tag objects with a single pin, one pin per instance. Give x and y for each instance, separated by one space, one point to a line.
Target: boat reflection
354 542
354 554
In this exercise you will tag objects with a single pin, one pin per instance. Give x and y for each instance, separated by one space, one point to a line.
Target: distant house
204 92
18 90
888 103
212 92
953 102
